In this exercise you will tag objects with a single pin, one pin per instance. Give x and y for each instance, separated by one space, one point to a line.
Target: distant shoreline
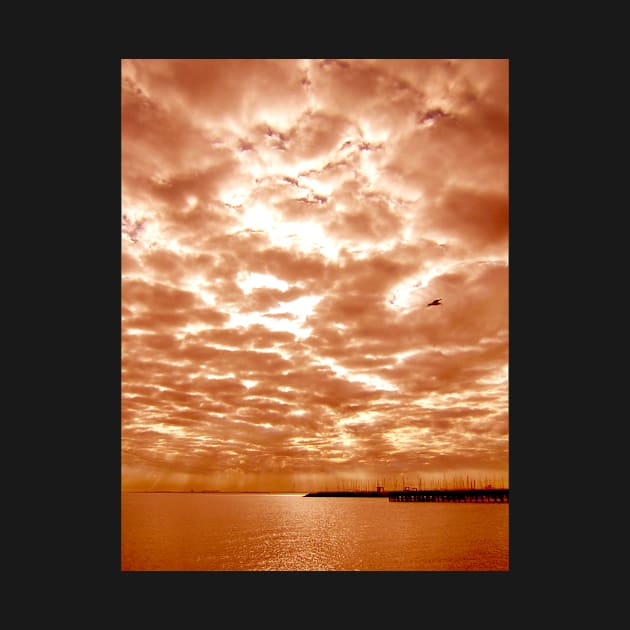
212 492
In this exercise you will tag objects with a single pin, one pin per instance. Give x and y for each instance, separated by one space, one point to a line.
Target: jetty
485 495
413 495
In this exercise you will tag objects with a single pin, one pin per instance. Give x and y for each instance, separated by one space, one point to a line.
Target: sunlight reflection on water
287 532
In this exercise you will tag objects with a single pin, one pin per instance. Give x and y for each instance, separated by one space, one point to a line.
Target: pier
469 495
487 495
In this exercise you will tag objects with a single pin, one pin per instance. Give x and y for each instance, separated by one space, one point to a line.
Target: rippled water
288 532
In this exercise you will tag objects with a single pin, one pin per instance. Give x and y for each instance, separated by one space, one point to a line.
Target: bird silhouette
437 302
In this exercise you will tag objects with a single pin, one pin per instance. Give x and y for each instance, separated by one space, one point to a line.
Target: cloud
284 224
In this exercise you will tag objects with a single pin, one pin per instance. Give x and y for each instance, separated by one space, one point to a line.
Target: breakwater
348 493
485 495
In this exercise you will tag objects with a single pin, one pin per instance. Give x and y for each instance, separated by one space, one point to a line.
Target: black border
95 475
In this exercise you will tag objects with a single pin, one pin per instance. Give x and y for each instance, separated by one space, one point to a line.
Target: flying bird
437 302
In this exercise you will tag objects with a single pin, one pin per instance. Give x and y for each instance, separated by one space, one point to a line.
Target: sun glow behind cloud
284 225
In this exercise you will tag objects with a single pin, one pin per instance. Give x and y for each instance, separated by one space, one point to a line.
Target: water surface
289 532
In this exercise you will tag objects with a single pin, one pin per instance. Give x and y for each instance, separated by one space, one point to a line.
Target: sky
284 225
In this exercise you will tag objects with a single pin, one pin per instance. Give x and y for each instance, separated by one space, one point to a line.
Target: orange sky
284 225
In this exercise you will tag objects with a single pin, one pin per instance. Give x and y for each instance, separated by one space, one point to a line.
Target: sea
290 532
